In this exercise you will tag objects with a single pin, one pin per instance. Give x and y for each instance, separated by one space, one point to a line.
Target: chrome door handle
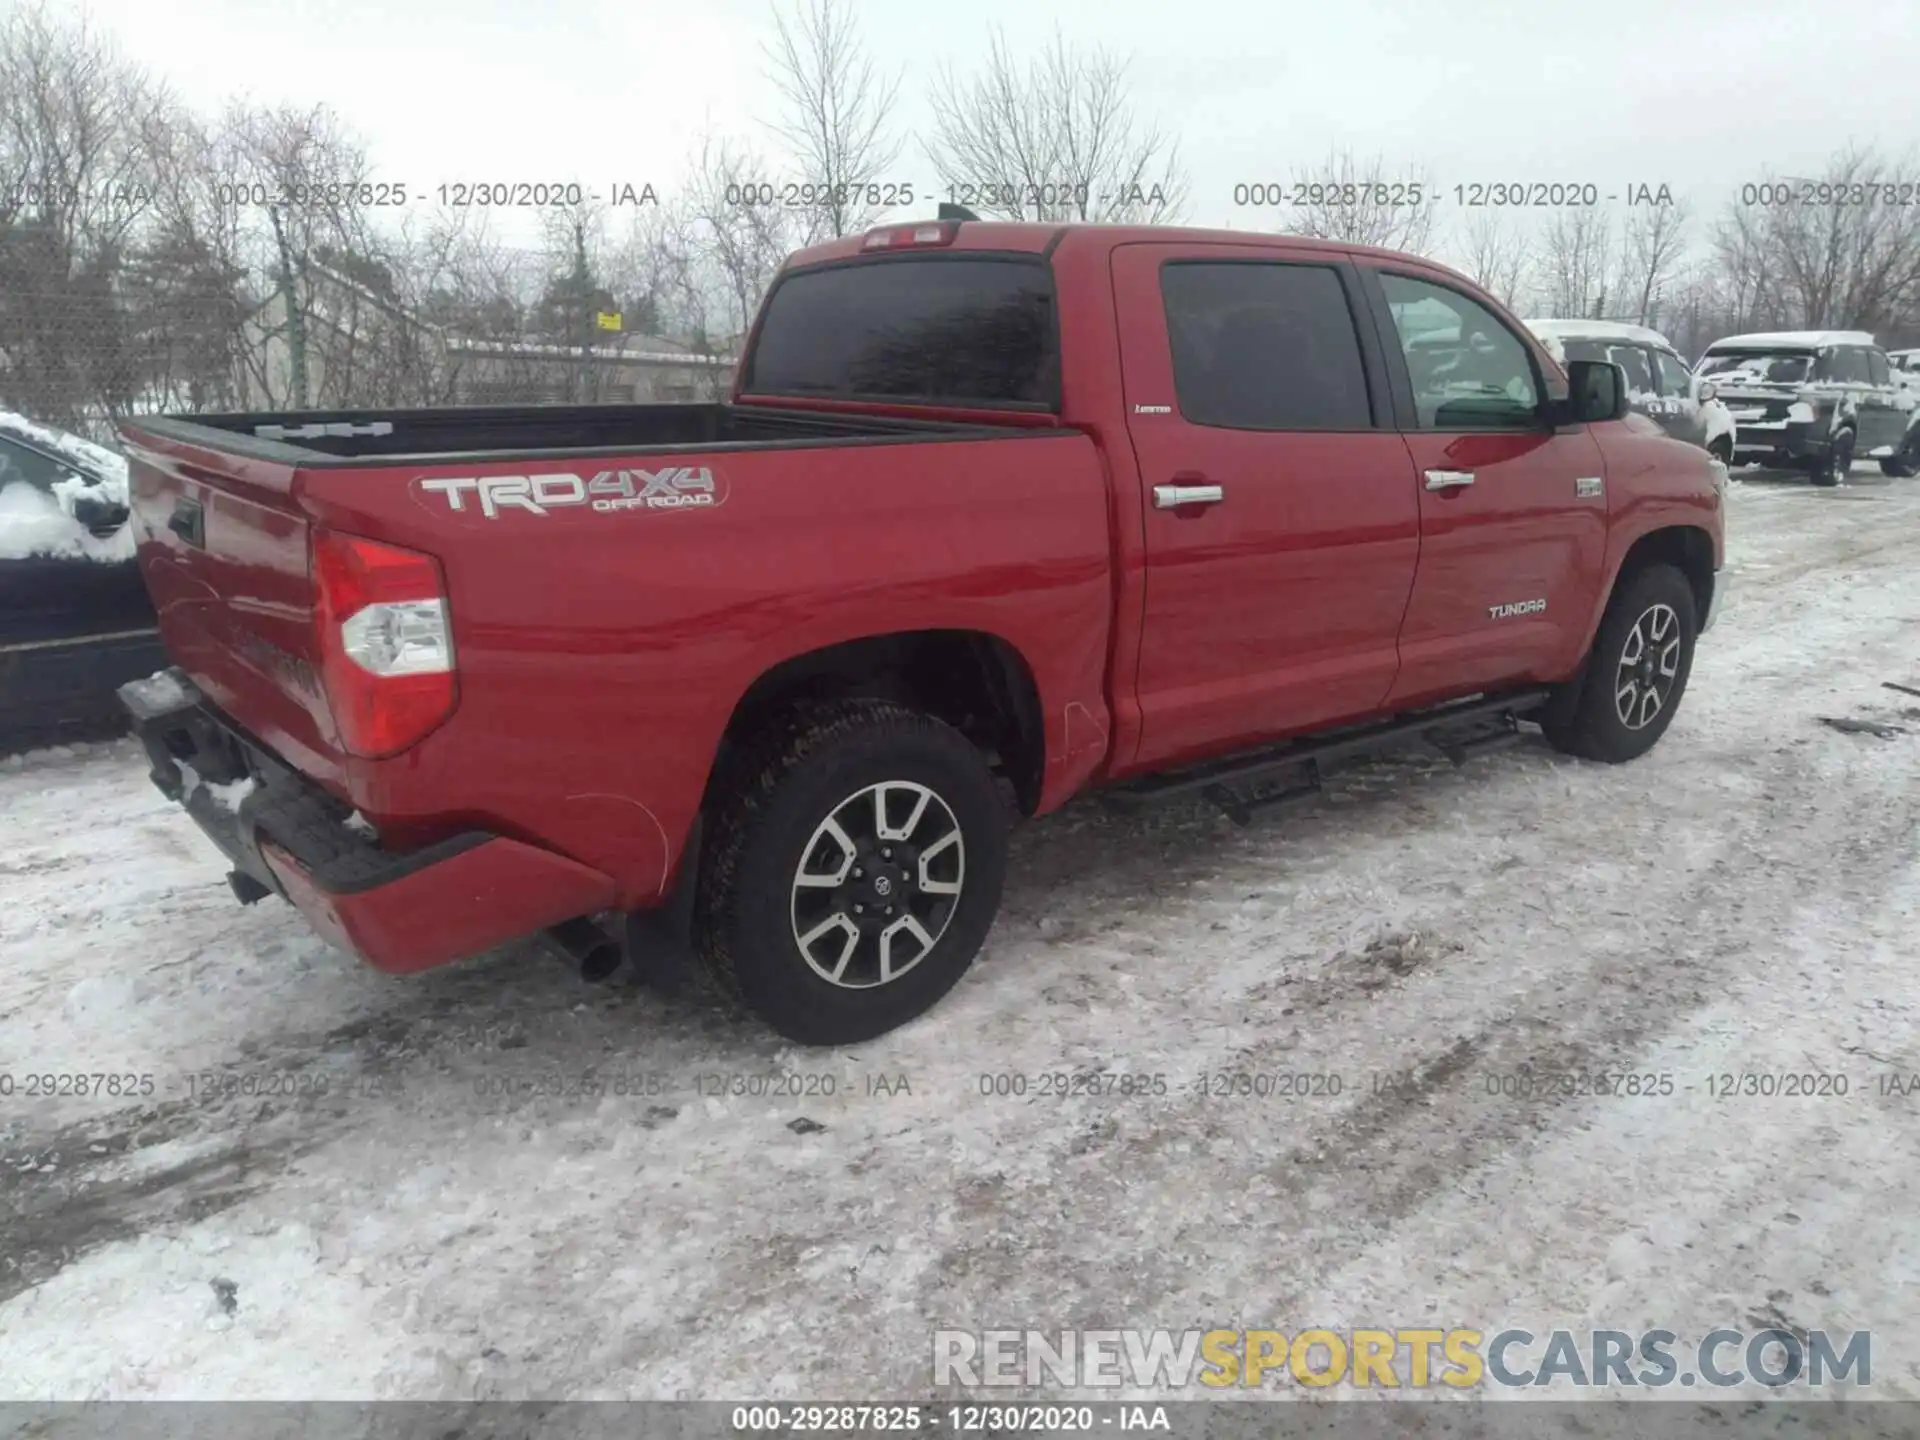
1448 479
1171 497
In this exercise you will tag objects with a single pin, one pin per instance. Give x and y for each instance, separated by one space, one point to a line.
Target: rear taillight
386 642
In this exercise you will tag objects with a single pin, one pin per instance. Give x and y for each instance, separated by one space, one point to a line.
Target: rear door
1281 519
1513 513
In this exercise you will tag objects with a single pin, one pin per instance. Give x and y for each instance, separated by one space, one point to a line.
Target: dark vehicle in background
1660 385
75 619
1815 400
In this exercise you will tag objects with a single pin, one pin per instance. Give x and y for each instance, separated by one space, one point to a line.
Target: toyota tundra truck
996 514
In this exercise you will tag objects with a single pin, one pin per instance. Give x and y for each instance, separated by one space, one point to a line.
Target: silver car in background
1660 385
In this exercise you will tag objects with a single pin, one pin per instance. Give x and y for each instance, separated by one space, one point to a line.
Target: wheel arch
1688 548
974 680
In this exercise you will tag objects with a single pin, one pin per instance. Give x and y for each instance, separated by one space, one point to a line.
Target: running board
1288 774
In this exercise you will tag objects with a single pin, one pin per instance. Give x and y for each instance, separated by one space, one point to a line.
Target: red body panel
599 656
443 912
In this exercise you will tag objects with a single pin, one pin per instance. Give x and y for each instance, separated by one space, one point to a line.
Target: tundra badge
1519 607
1587 485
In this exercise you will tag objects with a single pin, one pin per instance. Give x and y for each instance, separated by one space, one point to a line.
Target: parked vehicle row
1660 385
997 513
1811 400
1815 400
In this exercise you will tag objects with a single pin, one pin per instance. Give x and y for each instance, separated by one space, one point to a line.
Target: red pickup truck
997 513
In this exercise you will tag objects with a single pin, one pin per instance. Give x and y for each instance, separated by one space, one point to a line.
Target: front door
1281 514
1513 512
1677 399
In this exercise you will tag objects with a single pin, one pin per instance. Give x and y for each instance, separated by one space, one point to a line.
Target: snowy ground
1743 900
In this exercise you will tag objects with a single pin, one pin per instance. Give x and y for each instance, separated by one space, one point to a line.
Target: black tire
1590 718
1831 468
1904 463
803 771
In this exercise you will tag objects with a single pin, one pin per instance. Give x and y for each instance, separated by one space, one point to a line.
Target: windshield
1774 367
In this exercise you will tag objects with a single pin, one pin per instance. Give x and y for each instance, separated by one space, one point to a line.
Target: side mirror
1596 391
102 517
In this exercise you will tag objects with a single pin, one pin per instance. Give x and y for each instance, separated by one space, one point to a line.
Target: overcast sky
1696 94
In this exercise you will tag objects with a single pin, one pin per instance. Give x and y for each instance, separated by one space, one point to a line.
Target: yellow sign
606 321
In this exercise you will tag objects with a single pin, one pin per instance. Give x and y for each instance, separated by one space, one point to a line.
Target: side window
1261 345
1878 372
1844 366
1633 360
1469 371
1675 382
19 463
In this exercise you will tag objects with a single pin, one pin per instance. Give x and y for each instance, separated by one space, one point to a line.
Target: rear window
951 330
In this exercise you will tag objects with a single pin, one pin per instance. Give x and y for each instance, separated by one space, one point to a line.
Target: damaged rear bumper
284 835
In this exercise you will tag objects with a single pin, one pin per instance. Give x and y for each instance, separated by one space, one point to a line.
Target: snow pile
43 522
227 796
33 522
88 458
158 692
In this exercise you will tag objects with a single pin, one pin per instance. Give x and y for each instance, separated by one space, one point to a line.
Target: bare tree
1498 256
1360 203
306 196
1845 253
1056 140
834 115
1652 249
1577 263
734 247
76 124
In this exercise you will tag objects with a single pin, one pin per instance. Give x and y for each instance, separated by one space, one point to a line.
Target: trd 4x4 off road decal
677 487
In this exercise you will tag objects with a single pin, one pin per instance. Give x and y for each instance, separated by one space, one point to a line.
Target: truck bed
487 433
601 650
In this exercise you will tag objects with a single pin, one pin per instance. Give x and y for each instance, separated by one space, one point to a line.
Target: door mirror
1707 391
1596 391
102 516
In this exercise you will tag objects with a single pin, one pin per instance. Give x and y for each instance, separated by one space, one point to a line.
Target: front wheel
1830 469
1636 673
853 872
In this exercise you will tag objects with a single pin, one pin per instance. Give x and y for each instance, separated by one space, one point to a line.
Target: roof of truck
1793 340
1599 330
1042 237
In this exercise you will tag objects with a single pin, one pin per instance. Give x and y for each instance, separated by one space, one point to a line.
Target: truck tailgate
223 548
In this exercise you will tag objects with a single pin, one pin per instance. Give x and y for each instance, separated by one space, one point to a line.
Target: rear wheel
853 872
1635 675
1831 468
1904 463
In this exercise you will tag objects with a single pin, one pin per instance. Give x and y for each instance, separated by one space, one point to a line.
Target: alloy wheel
877 884
1649 665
